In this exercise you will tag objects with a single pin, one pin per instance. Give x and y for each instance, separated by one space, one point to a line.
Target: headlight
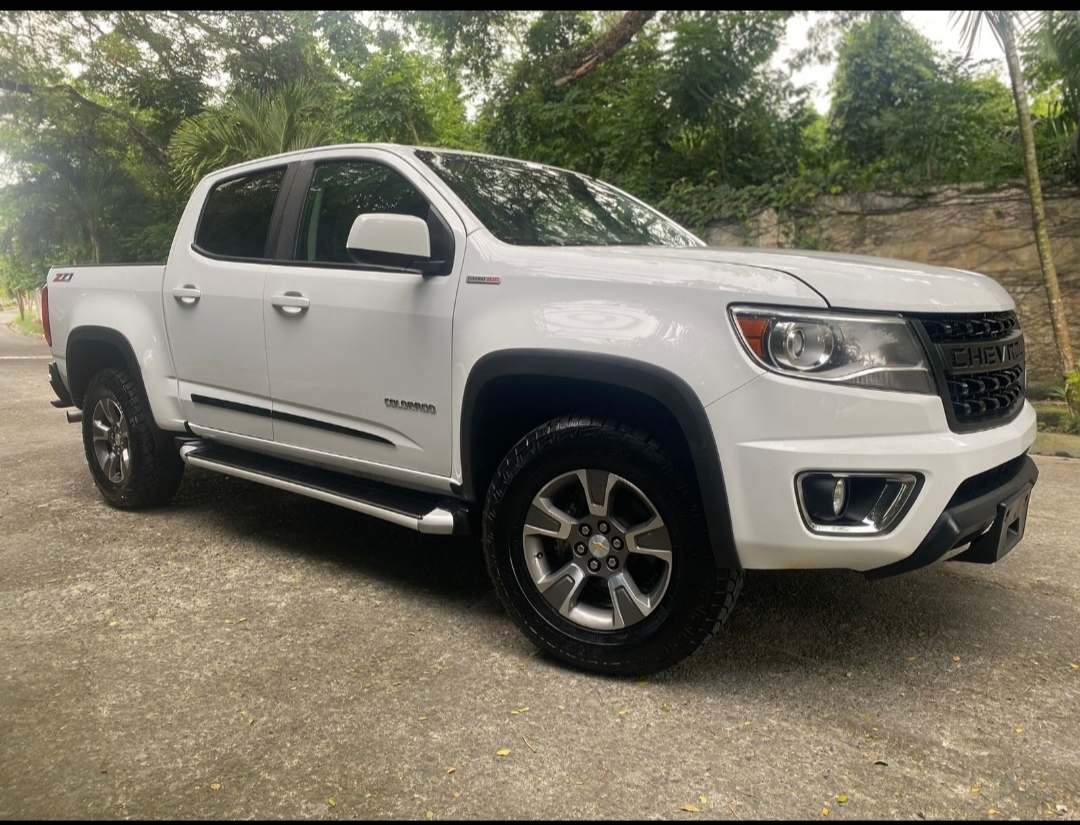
866 351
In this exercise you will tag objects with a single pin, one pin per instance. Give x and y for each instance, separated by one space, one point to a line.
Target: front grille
951 329
980 362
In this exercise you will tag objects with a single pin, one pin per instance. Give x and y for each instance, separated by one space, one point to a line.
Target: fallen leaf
702 799
1074 665
1019 730
911 658
421 719
241 619
992 811
976 789
503 752
430 814
690 808
561 707
332 802
519 711
842 799
665 708
457 794
641 682
528 744
622 713
956 658
881 762
450 771
113 623
824 811
215 786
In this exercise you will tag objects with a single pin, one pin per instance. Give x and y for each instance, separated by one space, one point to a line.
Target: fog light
854 503
839 496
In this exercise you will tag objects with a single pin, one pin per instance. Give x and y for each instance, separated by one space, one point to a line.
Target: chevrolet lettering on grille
961 358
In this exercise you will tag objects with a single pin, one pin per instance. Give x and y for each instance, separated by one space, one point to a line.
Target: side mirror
393 241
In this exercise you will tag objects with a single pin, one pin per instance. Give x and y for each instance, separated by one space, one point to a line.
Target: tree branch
618 36
141 137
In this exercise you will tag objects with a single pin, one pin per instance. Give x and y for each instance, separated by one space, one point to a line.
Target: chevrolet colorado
458 343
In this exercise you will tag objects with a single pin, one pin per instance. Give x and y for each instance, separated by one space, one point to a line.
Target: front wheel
133 462
596 542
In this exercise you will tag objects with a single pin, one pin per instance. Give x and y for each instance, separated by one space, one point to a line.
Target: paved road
246 653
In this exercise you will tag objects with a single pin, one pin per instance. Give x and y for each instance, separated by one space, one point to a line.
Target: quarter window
236 218
342 190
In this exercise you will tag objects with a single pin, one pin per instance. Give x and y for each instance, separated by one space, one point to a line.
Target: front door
359 357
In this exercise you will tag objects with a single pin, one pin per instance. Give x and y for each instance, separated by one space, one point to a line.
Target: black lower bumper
988 511
57 383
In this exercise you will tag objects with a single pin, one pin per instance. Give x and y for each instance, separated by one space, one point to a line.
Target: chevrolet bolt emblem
598 546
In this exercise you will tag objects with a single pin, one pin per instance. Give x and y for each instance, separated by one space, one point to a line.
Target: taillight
45 314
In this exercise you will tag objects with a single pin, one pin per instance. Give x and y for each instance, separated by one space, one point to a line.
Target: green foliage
250 124
391 92
692 97
1052 52
903 115
1069 392
108 118
29 324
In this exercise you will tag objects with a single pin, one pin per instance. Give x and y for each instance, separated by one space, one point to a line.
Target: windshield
532 205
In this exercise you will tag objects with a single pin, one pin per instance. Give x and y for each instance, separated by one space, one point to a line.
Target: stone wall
968 227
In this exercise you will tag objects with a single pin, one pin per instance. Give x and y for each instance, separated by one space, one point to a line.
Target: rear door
360 371
213 299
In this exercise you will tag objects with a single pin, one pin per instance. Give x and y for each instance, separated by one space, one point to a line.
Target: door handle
290 303
188 294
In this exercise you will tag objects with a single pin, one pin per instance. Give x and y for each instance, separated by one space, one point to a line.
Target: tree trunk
620 34
1058 319
19 301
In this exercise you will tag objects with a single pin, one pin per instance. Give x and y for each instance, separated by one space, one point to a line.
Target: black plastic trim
234 406
331 428
666 387
960 522
103 335
63 397
290 418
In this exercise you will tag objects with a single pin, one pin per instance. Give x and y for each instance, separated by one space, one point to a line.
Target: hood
858 281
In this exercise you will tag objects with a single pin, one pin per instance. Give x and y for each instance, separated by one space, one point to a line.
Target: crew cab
459 343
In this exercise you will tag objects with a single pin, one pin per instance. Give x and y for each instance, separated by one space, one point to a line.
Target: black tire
696 596
153 468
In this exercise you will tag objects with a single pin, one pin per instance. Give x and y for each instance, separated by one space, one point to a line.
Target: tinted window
236 218
342 190
525 203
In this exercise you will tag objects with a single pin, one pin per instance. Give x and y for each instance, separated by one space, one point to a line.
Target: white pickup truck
456 342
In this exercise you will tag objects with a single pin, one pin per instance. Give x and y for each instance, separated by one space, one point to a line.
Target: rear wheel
596 542
133 462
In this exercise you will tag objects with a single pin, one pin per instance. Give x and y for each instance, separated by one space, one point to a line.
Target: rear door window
236 218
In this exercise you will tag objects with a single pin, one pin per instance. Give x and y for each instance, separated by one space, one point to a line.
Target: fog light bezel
883 516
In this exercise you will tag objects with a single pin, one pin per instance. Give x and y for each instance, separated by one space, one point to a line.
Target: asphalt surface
246 653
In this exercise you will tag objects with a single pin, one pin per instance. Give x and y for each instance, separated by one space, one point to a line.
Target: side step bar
406 508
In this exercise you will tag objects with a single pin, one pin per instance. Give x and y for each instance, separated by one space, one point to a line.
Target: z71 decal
63 277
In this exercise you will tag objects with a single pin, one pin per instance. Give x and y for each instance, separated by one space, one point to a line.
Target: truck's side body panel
126 300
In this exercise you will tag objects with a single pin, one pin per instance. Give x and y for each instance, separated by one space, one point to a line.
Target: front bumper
989 515
774 427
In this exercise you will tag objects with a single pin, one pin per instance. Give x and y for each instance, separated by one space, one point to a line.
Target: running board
423 512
